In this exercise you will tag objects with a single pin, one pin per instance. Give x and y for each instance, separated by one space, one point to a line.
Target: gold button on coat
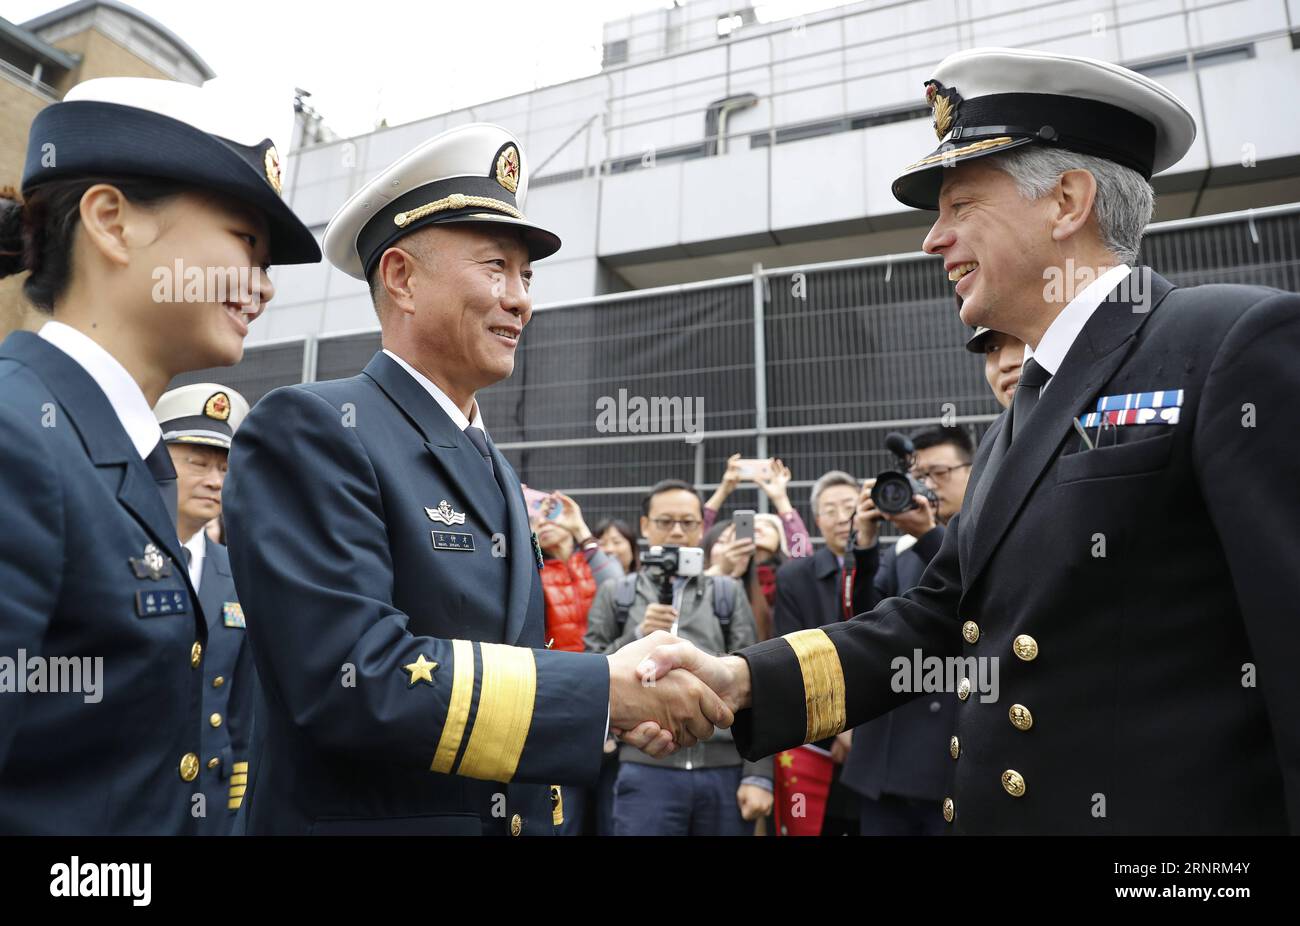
1013 783
196 655
963 689
971 631
516 825
954 747
215 720
1020 716
189 766
949 809
213 762
218 682
1025 647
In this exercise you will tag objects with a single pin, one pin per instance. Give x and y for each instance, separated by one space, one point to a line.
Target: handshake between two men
666 694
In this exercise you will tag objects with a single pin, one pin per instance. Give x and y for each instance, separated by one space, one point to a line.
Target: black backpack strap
624 595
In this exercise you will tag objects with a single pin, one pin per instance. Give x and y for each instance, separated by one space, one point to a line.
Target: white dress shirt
447 405
122 392
1065 328
198 547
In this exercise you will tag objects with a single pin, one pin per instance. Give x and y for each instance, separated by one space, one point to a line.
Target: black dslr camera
894 489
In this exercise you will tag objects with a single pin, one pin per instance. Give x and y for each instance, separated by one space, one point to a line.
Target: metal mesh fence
851 351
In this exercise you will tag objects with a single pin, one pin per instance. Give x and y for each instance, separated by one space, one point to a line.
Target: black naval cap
975 343
989 100
472 173
196 136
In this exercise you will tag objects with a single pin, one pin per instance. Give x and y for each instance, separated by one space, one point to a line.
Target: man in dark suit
383 554
197 423
809 593
897 763
1126 552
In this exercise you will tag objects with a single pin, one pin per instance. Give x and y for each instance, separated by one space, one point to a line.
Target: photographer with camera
706 789
899 761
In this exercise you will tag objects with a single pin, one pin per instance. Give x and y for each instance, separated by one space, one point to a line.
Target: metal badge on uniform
537 549
232 615
151 565
453 540
445 514
161 603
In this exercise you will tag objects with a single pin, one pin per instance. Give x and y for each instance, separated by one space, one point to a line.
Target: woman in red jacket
573 567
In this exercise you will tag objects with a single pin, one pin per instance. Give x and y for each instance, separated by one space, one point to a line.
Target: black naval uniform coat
1151 689
390 584
90 567
229 681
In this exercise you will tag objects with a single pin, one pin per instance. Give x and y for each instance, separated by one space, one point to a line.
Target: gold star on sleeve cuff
421 670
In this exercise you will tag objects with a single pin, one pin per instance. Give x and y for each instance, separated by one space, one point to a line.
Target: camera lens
892 493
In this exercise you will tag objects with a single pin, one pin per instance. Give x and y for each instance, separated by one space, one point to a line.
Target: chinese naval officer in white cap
1126 551
383 554
124 177
197 424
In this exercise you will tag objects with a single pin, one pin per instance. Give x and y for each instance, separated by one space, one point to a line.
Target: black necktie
480 442
1032 380
188 556
159 462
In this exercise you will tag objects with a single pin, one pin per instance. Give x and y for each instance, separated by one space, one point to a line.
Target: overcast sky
364 60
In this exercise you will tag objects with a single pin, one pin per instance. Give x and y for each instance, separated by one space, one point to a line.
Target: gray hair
835 477
1124 200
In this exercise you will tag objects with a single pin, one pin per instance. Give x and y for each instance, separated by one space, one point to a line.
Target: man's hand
868 517
840 748
754 802
728 676
652 704
658 617
917 521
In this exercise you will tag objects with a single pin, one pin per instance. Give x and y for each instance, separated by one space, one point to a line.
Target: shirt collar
1064 329
197 545
447 405
122 392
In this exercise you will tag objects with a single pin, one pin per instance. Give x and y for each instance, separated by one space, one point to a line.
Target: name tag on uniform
232 615
161 603
453 540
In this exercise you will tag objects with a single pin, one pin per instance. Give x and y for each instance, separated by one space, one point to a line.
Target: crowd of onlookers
768 578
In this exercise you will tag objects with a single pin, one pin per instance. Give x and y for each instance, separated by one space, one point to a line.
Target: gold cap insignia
272 162
508 168
943 104
217 407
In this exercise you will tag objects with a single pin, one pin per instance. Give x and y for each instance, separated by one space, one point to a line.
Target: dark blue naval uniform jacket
228 685
1147 690
78 506
403 684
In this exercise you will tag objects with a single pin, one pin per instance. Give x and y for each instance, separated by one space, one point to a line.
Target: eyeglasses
666 524
936 472
844 510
